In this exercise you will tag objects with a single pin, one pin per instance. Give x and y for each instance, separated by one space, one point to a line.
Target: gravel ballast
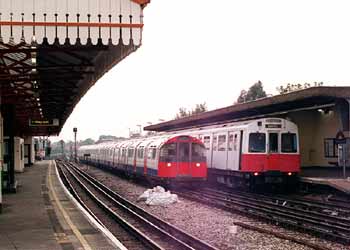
212 225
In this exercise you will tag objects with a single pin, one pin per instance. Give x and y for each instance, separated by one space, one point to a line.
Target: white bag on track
158 197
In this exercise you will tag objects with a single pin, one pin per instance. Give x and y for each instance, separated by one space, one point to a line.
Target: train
166 159
251 153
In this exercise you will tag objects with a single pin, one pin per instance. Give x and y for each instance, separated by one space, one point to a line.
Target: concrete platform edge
104 230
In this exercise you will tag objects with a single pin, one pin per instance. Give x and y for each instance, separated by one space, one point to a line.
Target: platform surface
342 185
40 216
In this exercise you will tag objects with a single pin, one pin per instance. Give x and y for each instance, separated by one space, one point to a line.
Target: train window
140 152
198 152
273 142
130 152
222 143
289 143
231 142
215 142
152 153
206 141
257 143
168 152
184 152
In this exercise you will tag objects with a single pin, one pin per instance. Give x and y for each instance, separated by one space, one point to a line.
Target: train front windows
289 143
273 143
257 143
198 152
184 152
168 153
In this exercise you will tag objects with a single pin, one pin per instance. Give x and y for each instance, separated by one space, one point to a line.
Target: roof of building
310 98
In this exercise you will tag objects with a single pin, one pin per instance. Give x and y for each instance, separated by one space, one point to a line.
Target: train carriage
166 157
253 152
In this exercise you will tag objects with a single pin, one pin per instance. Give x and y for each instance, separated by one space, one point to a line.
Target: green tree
256 91
202 107
284 89
87 141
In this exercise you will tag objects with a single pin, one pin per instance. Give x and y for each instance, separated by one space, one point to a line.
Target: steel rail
71 189
271 214
167 229
341 221
123 223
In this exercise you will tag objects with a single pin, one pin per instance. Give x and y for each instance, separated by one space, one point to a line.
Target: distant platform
327 176
41 216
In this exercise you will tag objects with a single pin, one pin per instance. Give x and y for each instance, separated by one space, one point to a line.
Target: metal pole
75 130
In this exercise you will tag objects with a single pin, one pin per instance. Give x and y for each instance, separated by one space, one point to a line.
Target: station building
321 113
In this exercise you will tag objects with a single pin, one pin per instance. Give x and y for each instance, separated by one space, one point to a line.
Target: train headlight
198 164
256 174
289 173
168 164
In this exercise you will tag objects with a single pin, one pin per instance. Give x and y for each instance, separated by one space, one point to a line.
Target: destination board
43 122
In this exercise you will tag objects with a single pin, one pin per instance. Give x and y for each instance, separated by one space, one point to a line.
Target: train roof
154 141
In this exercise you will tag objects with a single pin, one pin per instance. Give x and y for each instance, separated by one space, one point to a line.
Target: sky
208 51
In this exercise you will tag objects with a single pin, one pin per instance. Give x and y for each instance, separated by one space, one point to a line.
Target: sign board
273 126
43 122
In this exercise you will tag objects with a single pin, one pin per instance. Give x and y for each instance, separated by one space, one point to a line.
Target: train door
183 156
206 140
233 150
219 151
273 152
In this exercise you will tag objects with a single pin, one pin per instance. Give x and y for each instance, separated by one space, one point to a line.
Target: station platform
41 216
327 176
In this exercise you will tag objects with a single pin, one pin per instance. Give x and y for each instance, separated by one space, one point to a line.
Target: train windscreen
168 152
184 152
257 142
198 153
289 143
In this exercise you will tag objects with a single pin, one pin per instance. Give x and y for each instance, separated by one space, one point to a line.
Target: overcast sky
208 51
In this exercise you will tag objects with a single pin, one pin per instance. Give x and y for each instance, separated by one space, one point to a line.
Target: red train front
182 157
270 153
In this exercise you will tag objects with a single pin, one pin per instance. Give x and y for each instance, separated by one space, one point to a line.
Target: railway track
334 211
305 217
135 228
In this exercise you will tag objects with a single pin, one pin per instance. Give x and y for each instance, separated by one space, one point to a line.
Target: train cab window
257 143
198 152
289 143
222 143
184 152
206 142
168 152
273 142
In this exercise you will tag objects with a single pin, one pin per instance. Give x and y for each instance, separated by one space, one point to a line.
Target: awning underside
47 81
70 21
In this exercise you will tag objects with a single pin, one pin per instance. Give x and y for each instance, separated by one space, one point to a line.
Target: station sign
43 122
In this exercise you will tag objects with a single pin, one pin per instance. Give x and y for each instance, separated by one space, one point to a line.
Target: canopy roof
311 98
53 51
